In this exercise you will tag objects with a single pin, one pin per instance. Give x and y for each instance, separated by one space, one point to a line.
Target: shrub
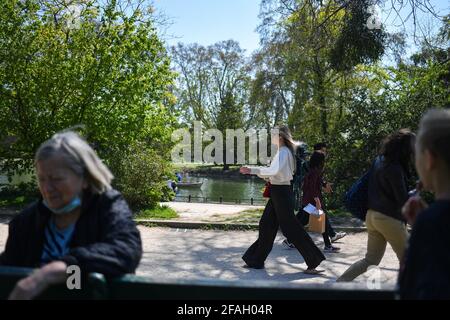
141 176
20 194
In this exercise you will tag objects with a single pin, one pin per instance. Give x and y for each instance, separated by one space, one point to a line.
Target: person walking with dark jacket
279 211
327 188
79 220
312 194
388 193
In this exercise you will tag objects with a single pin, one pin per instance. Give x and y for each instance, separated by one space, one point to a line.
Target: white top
281 170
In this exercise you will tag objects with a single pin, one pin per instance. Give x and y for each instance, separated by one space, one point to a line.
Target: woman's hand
412 208
245 170
41 279
318 204
328 188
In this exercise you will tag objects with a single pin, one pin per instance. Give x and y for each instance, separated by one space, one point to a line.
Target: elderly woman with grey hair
79 220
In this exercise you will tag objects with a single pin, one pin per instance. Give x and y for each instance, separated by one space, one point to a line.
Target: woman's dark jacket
388 190
312 187
105 238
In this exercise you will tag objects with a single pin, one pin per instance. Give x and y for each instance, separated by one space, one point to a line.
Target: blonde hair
79 157
434 133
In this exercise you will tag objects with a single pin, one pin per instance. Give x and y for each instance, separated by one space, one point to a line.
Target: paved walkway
212 254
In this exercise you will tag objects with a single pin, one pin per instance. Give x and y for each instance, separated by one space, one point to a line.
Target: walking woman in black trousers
279 211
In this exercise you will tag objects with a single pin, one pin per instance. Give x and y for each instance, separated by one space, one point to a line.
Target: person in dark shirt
312 194
327 187
388 193
425 273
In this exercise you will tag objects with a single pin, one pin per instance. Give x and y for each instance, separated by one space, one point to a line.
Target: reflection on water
229 189
213 188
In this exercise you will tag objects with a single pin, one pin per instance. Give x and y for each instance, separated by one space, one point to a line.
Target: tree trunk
322 105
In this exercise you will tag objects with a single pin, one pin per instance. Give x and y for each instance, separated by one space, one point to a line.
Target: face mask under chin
72 205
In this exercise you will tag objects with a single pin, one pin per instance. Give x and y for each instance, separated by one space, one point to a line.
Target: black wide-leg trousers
279 212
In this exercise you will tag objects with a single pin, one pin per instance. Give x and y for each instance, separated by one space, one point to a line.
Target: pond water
230 189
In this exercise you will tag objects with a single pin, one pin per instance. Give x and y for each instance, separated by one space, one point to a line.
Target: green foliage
213 86
109 74
19 195
339 213
213 82
141 175
322 60
356 43
407 93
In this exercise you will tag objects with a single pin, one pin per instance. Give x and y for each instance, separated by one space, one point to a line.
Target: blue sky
210 21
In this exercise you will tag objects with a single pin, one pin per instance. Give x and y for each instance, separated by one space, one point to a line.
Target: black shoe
313 271
331 249
254 266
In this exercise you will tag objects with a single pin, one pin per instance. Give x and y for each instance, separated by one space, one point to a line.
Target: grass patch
159 213
254 215
247 216
253 212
